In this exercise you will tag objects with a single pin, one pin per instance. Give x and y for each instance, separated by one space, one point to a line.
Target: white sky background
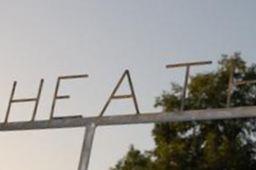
48 38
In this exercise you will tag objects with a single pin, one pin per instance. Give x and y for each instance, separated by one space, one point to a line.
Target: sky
51 38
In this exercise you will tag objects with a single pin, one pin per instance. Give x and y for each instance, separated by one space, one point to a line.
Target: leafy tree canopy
207 145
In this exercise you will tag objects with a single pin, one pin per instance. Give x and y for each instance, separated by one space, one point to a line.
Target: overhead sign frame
91 123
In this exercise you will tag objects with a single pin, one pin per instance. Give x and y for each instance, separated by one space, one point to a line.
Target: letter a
114 96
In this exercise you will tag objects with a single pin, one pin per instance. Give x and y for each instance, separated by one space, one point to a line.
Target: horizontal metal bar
68 117
122 97
245 82
74 76
24 100
199 115
188 64
63 97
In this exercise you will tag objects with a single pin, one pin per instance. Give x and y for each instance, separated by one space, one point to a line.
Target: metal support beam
192 115
87 147
92 122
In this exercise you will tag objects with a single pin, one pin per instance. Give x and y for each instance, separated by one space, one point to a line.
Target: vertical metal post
87 147
184 91
230 85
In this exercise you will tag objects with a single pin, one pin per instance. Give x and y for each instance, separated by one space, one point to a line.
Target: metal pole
230 85
184 90
87 147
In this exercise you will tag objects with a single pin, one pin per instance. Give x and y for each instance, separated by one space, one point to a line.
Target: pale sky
49 38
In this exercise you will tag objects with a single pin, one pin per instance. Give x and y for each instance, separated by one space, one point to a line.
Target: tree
134 160
207 145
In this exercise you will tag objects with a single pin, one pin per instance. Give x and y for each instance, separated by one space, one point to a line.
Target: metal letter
57 96
233 83
12 100
114 96
187 65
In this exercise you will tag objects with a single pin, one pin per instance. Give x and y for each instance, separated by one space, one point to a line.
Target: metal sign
91 123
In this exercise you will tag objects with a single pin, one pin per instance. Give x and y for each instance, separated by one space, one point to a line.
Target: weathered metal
181 116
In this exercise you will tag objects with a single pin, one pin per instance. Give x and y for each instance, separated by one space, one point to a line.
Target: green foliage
134 160
208 145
